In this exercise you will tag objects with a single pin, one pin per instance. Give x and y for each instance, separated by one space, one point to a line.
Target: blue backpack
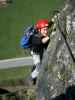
24 41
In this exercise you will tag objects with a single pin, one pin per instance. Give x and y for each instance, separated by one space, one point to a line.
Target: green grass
17 15
13 76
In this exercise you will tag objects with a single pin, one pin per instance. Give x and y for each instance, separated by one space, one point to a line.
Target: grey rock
58 67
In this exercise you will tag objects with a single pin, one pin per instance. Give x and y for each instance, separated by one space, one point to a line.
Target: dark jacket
37 45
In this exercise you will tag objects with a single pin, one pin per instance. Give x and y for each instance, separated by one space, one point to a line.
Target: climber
39 41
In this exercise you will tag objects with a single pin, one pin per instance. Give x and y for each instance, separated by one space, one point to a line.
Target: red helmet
41 23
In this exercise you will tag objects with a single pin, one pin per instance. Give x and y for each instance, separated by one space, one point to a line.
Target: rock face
58 66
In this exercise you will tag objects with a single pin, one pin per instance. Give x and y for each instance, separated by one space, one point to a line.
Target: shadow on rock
68 95
3 91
